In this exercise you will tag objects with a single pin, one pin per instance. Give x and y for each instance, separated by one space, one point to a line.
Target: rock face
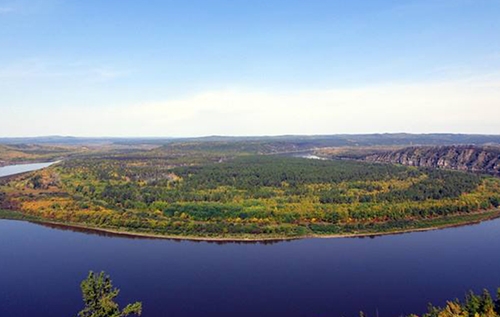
462 157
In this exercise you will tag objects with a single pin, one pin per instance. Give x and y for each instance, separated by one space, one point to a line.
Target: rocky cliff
465 158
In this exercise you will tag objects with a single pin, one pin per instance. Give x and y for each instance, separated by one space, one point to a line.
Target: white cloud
460 107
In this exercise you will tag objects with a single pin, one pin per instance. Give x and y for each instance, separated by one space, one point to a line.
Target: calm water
22 168
41 268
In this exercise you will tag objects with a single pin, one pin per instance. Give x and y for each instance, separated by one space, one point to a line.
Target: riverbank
420 226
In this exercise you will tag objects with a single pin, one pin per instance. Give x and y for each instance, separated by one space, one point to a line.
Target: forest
216 191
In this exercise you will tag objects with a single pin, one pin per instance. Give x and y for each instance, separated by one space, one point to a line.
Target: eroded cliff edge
481 159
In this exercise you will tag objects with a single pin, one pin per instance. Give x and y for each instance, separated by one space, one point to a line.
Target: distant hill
472 158
279 143
70 140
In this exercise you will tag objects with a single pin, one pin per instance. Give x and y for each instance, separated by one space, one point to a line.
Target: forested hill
284 142
466 158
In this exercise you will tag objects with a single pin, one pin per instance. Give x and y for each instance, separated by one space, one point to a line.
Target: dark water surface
41 268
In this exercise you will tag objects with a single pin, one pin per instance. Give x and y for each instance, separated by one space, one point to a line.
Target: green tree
472 303
36 181
487 305
98 296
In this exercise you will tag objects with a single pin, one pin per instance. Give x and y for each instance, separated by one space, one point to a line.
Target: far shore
488 215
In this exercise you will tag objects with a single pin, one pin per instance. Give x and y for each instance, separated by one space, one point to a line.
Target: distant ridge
298 141
71 140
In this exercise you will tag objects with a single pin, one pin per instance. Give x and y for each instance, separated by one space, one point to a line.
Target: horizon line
242 136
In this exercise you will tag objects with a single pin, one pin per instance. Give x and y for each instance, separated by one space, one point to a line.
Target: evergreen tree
472 303
497 302
487 305
98 296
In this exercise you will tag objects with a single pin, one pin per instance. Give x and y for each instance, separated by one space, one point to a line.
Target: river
22 168
42 266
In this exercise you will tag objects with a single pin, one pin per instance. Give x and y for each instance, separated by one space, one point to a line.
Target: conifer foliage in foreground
472 306
99 294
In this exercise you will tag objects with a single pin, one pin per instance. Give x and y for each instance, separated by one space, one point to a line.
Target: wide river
41 268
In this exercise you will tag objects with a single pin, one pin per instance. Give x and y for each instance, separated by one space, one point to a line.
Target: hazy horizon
242 136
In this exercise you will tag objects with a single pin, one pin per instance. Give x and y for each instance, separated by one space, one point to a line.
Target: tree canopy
99 298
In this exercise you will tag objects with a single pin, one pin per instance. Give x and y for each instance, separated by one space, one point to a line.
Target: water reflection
131 236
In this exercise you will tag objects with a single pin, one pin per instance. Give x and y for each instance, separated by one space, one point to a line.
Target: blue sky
255 67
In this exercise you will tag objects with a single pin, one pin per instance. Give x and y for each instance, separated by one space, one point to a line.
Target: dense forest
181 191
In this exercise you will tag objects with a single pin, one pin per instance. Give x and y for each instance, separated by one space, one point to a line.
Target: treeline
473 305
